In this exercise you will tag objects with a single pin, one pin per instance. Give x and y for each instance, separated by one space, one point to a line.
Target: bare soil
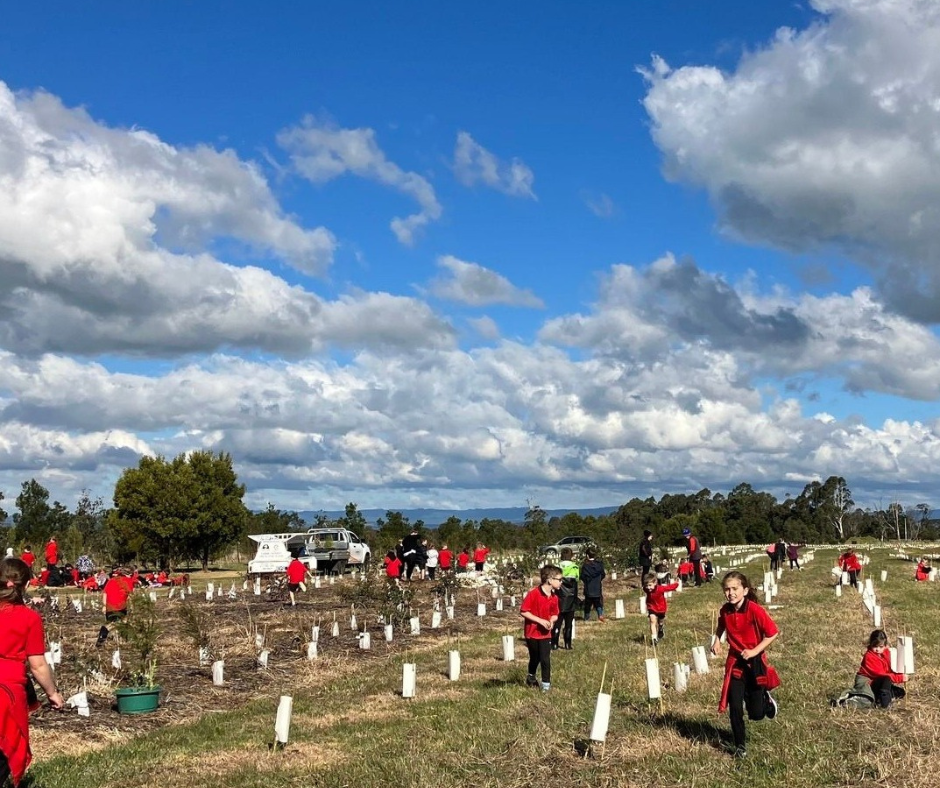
187 689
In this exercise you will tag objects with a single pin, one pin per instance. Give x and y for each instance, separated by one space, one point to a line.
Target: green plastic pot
137 700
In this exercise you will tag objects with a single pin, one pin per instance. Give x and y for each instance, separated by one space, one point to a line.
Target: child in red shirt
392 565
463 559
849 562
479 556
540 611
748 676
22 642
116 592
876 668
296 574
28 557
656 605
445 557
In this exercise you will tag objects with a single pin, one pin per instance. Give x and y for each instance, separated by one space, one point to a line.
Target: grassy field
351 727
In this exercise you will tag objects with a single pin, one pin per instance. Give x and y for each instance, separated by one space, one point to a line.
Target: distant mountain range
434 517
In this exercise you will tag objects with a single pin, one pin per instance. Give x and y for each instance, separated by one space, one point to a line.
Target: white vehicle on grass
326 550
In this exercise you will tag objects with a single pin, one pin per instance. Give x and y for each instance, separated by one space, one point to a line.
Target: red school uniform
850 563
28 558
296 572
392 567
922 572
480 554
463 559
116 592
656 599
745 628
542 605
876 666
445 558
52 552
21 636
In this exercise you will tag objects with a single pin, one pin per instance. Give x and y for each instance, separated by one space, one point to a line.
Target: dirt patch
188 691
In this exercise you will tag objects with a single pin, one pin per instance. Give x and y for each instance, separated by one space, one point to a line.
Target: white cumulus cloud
473 284
474 164
825 137
320 152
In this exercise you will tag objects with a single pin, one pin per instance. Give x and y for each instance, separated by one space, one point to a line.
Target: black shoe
567 647
554 647
739 752
531 681
772 707
661 634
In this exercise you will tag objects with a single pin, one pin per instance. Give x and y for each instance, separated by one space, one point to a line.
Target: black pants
744 693
410 567
853 578
697 570
4 769
540 654
886 691
645 569
596 602
432 570
794 563
567 620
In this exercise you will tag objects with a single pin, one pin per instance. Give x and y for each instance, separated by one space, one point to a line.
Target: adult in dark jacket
411 552
592 575
645 553
695 555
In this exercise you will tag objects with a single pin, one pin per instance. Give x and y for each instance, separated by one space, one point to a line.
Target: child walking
748 676
567 599
592 575
22 643
875 671
540 611
656 605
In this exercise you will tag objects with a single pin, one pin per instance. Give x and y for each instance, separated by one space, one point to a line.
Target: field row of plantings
351 727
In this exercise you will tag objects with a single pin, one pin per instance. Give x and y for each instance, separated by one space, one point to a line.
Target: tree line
190 510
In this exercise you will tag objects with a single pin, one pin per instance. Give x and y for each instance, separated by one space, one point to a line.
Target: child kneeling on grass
748 676
540 611
875 671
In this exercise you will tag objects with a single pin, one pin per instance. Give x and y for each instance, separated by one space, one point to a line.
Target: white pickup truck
327 550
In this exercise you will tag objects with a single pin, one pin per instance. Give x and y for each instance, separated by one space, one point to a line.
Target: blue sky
459 255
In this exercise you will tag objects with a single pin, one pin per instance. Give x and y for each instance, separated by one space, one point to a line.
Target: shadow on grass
499 683
695 730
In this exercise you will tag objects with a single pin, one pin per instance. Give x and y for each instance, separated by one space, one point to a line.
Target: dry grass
351 727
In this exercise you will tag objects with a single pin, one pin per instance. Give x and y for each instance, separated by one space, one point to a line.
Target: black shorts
293 587
113 616
660 616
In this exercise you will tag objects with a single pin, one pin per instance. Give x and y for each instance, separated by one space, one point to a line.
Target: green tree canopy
188 507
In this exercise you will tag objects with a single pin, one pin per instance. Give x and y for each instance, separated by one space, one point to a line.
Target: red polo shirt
542 605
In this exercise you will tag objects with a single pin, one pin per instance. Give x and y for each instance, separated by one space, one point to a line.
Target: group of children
782 551
422 560
548 609
742 622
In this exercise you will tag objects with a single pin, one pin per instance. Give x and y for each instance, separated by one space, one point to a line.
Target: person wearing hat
645 552
694 553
